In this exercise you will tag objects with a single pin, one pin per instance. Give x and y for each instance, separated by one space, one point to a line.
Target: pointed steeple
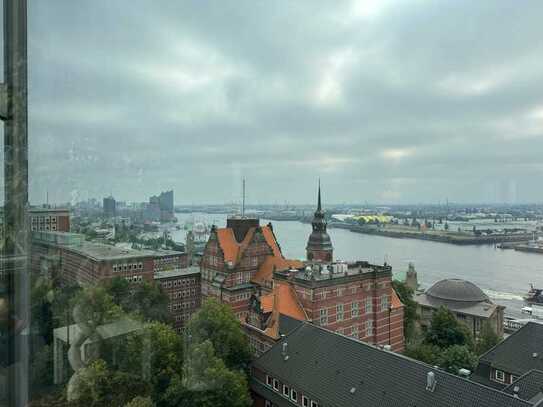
319 247
319 208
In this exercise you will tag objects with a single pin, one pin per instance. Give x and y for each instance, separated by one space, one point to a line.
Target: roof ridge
399 356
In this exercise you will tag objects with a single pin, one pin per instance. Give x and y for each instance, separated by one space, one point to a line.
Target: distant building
50 219
71 259
182 286
160 208
515 356
313 367
465 300
110 207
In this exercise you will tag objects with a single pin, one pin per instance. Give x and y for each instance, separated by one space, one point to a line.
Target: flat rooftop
97 251
177 272
335 270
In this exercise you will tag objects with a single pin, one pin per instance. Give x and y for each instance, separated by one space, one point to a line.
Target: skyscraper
109 207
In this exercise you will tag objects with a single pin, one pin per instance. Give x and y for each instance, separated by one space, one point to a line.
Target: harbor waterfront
504 275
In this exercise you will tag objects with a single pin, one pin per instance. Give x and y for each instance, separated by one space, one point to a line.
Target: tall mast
243 201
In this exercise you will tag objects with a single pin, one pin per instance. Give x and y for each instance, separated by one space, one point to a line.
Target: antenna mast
243 202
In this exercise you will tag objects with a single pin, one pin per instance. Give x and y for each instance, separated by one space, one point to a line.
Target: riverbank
457 238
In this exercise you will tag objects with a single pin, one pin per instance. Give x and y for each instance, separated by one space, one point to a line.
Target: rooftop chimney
284 351
430 381
464 372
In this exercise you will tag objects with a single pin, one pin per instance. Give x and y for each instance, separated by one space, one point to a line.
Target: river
504 275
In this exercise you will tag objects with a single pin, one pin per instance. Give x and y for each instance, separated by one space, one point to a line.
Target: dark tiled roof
327 367
287 324
528 386
519 353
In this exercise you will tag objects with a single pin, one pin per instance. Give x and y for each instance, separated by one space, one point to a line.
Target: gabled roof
395 300
335 370
528 387
233 251
520 352
283 299
271 263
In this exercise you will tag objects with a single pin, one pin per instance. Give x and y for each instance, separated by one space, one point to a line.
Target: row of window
183 294
165 260
182 317
355 330
182 305
240 297
289 393
127 267
134 279
179 283
355 309
44 219
42 227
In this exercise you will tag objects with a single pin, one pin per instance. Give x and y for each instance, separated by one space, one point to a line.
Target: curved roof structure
456 290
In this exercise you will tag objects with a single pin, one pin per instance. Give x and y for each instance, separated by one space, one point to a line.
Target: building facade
353 299
183 288
110 207
49 219
72 260
465 300
232 258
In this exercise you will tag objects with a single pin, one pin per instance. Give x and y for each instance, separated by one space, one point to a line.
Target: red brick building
71 259
182 286
49 219
243 266
233 256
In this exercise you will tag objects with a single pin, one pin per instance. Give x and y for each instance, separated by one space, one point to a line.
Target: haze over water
504 275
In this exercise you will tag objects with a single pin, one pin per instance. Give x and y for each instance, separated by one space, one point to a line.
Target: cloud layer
386 101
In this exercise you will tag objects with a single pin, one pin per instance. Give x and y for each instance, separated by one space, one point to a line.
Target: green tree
488 338
99 386
140 402
207 382
424 352
405 294
146 300
445 331
156 355
457 357
96 307
216 322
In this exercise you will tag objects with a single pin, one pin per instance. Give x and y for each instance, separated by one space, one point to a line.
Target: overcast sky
386 101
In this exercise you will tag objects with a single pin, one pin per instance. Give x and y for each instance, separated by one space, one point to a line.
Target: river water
504 275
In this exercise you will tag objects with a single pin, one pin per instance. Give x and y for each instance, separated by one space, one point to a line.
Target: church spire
319 247
319 207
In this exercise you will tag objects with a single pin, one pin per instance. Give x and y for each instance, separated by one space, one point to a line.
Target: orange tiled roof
265 271
395 300
270 239
233 250
228 244
283 300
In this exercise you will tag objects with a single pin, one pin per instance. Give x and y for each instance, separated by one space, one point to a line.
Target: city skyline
388 103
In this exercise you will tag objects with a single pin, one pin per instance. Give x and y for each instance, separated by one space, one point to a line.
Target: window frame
294 395
502 373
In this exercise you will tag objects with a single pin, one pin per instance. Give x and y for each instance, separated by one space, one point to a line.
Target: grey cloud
421 101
